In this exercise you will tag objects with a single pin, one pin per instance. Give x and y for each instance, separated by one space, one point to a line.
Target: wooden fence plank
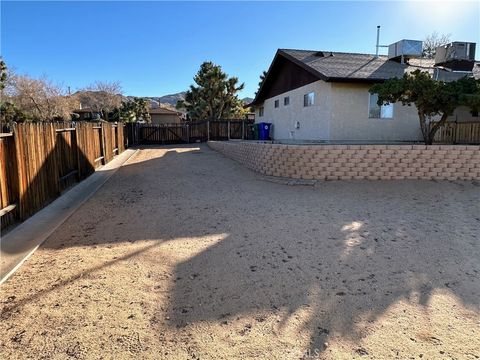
458 133
40 160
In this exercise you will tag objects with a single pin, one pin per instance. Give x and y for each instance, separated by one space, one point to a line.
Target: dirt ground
185 254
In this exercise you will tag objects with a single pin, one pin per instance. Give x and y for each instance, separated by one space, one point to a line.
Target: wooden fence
188 132
40 160
458 133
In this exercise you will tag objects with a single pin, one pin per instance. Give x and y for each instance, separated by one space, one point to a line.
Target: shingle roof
354 67
162 111
335 66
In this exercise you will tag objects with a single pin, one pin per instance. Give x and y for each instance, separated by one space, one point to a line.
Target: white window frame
276 103
306 99
261 111
383 109
287 100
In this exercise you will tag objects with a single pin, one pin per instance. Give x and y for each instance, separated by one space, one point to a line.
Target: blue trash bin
264 130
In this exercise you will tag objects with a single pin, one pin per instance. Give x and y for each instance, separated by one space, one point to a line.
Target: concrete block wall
348 162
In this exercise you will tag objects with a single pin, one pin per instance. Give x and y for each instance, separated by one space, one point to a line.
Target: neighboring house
165 116
87 114
323 95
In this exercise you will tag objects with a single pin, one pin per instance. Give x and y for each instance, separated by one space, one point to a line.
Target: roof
163 111
332 66
345 66
340 66
85 110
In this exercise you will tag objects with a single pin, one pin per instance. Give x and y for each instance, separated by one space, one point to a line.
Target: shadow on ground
328 258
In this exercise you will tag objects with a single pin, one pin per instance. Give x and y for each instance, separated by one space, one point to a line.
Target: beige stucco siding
463 114
165 118
350 118
314 120
340 114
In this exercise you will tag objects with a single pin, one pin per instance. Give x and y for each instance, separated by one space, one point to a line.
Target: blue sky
155 48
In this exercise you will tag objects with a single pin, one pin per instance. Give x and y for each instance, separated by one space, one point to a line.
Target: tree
38 99
434 100
101 96
262 80
431 43
214 97
3 75
9 113
135 110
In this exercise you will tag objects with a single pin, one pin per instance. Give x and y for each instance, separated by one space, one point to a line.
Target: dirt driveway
185 254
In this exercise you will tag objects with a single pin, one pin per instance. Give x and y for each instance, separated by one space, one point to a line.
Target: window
277 103
260 111
286 100
309 99
379 112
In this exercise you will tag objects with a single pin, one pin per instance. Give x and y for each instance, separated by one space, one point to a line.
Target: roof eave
295 61
354 80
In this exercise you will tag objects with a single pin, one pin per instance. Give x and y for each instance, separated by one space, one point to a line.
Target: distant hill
172 98
166 101
247 100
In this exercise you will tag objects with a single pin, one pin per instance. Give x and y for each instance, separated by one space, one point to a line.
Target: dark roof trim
282 53
312 71
303 65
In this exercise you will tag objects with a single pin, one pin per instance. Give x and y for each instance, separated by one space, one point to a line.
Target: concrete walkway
17 245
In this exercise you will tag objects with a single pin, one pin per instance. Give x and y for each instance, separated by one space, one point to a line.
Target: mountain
247 100
172 98
166 101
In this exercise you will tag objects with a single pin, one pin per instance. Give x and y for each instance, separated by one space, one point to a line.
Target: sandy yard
185 254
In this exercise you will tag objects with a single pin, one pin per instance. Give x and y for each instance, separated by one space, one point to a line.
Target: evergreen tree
3 74
134 110
214 96
262 80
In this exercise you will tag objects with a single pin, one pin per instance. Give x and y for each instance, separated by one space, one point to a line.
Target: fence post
228 129
19 133
102 137
188 133
208 130
455 133
243 129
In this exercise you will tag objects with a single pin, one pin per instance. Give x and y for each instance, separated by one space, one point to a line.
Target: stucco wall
463 114
165 119
340 114
314 120
350 119
347 162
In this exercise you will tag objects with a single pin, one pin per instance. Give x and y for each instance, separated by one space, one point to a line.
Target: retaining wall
347 162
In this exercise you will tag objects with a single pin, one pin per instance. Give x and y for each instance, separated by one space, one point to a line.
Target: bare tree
40 99
433 41
101 96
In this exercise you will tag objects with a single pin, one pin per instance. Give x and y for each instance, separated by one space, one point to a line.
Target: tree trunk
433 129
428 131
423 126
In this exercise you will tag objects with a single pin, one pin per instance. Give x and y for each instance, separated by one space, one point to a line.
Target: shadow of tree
325 260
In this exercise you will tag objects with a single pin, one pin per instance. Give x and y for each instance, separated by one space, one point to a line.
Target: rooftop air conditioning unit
456 55
405 49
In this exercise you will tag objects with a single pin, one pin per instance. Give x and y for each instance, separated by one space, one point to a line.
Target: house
87 114
323 96
165 116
